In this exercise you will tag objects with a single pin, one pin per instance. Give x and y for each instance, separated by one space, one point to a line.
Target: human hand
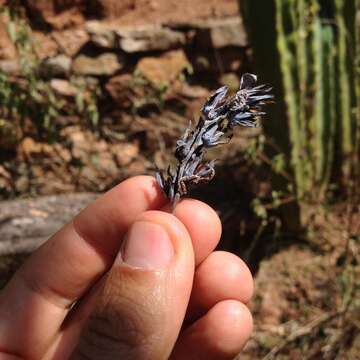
124 280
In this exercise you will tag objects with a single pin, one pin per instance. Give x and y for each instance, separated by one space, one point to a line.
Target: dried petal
214 105
248 81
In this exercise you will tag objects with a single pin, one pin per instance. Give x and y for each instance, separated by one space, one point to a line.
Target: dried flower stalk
220 114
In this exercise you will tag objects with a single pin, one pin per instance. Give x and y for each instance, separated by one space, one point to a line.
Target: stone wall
102 49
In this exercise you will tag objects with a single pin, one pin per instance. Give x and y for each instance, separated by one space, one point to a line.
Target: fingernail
147 246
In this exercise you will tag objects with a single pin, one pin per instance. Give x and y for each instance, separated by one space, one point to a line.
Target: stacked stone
103 49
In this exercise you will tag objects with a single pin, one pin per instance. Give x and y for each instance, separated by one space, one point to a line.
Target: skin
79 296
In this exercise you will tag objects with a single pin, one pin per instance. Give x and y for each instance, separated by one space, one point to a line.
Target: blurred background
93 92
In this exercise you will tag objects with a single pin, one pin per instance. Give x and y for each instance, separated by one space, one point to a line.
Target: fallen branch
26 224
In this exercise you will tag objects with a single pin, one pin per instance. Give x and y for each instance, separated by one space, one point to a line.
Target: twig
303 331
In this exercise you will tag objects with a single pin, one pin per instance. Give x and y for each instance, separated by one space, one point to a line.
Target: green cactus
357 90
318 60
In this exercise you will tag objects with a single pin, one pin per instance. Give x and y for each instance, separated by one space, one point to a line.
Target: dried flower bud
219 115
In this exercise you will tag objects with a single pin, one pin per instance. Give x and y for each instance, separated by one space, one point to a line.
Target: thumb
142 303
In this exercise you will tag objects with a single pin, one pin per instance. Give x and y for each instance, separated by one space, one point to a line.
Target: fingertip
202 223
221 276
232 324
238 317
236 326
220 334
236 273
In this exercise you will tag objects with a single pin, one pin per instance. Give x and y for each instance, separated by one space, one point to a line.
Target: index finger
37 299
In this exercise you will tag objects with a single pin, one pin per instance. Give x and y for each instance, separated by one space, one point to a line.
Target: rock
104 40
59 14
81 142
229 32
149 38
31 148
119 88
71 41
62 152
63 87
59 65
11 67
134 38
67 19
74 134
164 69
44 45
103 65
125 153
90 83
101 34
221 33
104 164
112 9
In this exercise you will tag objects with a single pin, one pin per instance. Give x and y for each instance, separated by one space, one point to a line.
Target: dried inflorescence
220 114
